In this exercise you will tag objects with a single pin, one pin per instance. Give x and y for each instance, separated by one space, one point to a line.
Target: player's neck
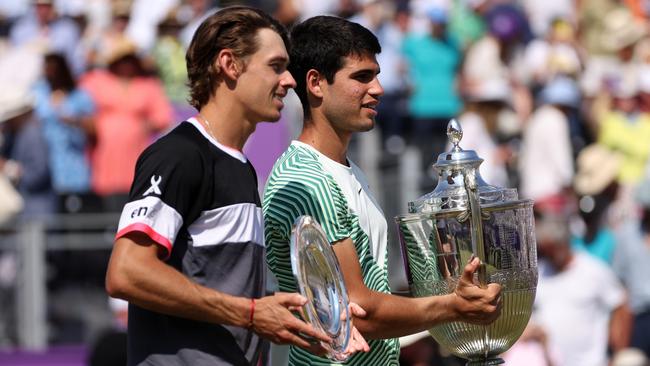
226 123
324 138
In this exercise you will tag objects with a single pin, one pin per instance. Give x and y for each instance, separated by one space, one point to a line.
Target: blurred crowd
554 95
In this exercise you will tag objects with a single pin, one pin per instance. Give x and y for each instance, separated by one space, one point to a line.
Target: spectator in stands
169 58
434 99
45 31
595 183
630 263
500 54
546 156
101 43
378 17
66 115
131 109
626 129
486 107
24 156
579 302
199 9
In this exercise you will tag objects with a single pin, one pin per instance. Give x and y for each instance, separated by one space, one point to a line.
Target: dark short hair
61 78
322 43
232 28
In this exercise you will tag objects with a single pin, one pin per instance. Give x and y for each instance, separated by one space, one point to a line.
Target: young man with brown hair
189 254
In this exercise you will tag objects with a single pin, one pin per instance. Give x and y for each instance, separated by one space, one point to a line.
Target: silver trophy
464 217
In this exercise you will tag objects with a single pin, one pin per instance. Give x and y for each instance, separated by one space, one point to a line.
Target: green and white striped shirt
305 182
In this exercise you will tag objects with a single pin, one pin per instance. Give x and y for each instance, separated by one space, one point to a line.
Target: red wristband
250 321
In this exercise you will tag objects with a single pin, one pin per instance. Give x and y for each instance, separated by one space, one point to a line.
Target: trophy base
488 362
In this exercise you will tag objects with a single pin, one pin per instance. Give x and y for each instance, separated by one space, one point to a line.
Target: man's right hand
474 304
273 320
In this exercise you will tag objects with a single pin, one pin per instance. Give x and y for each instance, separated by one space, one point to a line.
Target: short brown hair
232 28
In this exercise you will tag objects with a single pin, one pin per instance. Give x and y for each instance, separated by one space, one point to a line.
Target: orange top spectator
131 109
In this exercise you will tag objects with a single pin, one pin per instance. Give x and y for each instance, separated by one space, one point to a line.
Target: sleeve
612 291
318 196
166 192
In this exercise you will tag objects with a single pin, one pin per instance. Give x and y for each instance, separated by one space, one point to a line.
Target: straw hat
621 30
118 49
597 168
121 8
14 102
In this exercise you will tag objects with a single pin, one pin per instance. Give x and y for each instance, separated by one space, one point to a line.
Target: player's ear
227 64
314 83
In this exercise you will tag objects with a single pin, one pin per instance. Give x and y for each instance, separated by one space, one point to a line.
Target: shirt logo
155 185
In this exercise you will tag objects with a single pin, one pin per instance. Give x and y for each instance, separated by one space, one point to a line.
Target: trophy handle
476 226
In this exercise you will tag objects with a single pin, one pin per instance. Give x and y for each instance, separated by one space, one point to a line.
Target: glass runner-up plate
319 279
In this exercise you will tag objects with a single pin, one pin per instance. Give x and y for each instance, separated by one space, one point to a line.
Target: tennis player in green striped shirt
334 64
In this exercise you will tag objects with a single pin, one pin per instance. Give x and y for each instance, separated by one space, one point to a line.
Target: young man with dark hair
333 61
189 254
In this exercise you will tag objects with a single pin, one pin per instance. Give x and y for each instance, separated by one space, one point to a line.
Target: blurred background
554 95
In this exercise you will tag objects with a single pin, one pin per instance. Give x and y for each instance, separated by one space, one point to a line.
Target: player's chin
273 117
368 125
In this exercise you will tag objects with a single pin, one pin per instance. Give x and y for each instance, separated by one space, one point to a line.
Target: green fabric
300 185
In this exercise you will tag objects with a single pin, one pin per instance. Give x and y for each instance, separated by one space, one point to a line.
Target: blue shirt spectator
433 62
67 141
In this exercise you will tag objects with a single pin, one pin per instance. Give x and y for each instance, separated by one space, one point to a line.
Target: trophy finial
454 133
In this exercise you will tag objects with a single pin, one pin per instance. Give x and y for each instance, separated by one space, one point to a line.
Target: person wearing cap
546 157
189 254
334 63
25 160
101 43
597 168
432 60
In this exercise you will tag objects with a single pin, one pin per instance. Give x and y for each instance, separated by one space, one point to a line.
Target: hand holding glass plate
319 279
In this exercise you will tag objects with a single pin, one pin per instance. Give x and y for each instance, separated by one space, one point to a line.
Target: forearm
620 328
390 316
138 277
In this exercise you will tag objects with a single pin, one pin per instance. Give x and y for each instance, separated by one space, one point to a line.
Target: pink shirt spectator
128 114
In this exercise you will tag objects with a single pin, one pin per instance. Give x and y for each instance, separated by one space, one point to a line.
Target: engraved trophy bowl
464 217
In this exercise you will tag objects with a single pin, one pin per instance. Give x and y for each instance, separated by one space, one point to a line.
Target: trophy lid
320 280
453 167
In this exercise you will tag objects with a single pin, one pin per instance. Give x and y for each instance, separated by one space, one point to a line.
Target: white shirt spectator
546 163
476 137
574 307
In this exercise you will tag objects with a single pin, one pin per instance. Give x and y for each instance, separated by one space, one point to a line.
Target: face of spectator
350 102
44 13
127 67
265 80
120 23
